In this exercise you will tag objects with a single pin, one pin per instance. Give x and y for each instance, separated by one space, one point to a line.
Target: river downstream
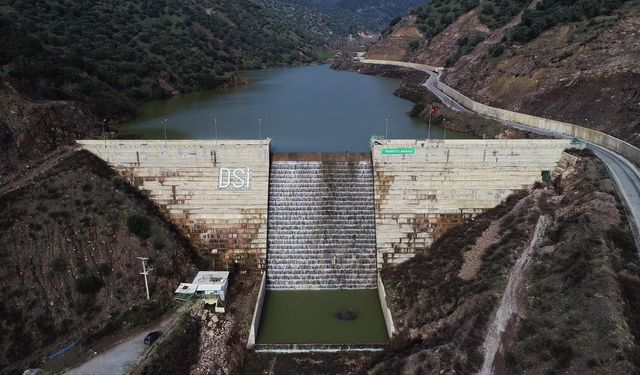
303 109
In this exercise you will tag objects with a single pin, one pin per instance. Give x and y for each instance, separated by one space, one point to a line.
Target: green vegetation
550 13
497 13
115 54
466 45
140 226
88 284
435 16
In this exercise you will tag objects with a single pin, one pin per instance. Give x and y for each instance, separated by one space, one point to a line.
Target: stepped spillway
321 231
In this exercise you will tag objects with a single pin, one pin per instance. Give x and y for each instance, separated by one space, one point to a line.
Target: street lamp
215 127
164 125
386 129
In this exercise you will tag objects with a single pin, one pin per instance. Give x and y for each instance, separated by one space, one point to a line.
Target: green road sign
399 151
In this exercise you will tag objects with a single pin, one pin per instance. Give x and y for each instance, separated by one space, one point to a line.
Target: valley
381 213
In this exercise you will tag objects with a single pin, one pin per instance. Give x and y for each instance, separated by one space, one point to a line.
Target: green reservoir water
303 109
309 317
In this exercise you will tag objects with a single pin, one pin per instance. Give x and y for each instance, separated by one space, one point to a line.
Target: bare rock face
395 46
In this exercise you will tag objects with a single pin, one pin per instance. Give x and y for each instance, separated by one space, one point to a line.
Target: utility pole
145 272
260 128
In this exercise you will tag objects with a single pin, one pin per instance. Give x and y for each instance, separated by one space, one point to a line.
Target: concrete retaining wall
423 188
402 64
594 136
386 312
202 186
257 314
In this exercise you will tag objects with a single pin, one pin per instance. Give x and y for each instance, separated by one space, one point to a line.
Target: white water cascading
321 225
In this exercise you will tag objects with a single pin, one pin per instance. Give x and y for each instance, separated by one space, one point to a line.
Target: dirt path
493 346
473 257
122 357
27 177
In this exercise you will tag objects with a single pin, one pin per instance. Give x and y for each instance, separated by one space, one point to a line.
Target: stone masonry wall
215 192
422 188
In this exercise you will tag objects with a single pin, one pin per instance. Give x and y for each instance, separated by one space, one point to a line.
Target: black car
152 337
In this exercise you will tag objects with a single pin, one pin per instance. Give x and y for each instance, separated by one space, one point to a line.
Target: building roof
186 288
211 277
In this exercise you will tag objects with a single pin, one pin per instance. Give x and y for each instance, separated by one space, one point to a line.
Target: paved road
625 175
120 358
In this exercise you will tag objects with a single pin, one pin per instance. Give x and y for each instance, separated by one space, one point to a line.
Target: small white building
209 285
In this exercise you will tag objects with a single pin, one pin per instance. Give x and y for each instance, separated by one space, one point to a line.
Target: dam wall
215 192
423 188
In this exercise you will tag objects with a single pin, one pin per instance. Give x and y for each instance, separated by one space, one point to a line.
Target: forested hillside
137 46
373 15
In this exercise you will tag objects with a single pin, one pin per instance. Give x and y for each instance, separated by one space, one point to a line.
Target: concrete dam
218 193
320 225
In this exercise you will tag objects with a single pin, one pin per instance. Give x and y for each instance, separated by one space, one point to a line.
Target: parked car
152 337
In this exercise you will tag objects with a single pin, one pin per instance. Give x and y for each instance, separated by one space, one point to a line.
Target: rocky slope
579 295
69 241
585 71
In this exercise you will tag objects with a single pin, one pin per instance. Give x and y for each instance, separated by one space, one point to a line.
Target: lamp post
260 128
164 125
215 128
386 128
104 134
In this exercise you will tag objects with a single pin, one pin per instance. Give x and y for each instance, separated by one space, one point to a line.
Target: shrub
496 50
88 284
59 265
140 226
417 110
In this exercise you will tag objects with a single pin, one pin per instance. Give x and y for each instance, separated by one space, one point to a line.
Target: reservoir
302 109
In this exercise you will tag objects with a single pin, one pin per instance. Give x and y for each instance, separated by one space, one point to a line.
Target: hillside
570 61
578 307
69 241
373 15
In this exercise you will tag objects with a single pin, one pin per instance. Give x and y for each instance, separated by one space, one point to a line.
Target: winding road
624 173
